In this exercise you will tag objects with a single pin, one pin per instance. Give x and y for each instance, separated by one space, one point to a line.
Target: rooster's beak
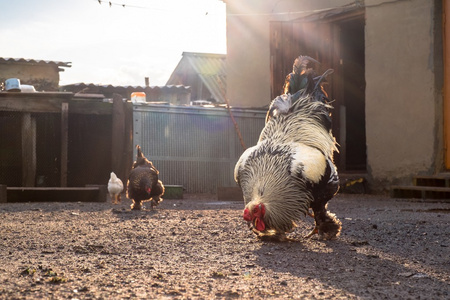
247 215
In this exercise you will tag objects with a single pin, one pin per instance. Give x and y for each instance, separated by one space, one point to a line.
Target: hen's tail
139 151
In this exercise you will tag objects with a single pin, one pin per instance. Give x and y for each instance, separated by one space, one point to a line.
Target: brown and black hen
143 183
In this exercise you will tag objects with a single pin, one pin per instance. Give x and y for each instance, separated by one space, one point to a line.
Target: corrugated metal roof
137 87
210 67
332 12
9 60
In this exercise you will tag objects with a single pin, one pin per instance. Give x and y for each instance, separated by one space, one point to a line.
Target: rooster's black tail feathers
313 88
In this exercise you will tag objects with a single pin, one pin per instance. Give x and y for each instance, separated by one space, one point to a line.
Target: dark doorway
353 105
336 40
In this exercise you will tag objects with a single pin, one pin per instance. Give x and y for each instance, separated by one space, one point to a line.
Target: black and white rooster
291 169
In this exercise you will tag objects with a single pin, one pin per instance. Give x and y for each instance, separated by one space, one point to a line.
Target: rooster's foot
313 232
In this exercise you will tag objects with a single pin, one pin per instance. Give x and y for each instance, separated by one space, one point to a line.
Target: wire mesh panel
194 147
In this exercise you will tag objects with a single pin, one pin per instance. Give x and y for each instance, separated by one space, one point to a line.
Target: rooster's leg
326 224
119 200
310 213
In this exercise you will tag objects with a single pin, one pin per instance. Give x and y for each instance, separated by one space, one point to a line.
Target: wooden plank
422 188
92 193
64 142
64 189
442 180
421 192
33 102
28 149
66 95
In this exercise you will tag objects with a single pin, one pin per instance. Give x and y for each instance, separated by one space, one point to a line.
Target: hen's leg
157 200
137 205
152 204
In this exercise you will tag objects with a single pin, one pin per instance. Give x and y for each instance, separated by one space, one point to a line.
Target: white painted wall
403 88
400 90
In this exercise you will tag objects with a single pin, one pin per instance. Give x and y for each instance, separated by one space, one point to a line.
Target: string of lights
110 3
357 3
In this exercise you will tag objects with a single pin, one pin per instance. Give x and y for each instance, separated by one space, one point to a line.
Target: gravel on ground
201 248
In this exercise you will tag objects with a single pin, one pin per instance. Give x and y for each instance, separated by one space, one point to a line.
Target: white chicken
115 187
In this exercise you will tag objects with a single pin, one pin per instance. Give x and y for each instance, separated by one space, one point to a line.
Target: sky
112 44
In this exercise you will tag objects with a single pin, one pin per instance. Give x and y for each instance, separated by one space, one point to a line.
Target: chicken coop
59 147
195 147
56 147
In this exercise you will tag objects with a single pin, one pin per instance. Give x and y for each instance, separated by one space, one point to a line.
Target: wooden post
446 31
129 147
337 92
28 150
118 136
64 141
3 193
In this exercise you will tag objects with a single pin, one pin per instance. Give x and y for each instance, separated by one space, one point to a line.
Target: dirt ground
200 248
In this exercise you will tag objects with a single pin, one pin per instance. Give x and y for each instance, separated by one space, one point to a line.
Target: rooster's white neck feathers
291 153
